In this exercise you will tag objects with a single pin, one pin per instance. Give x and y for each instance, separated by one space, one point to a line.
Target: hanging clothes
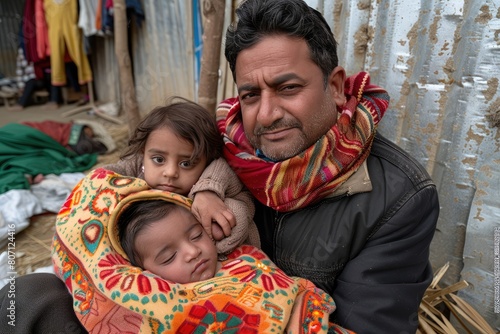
29 32
64 34
134 9
87 19
42 37
98 15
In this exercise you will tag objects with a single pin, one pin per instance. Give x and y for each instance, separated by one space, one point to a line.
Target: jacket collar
359 182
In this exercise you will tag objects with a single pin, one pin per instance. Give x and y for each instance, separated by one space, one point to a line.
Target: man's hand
215 217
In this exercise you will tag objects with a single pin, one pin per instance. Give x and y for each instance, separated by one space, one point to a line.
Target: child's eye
186 164
169 260
158 160
198 236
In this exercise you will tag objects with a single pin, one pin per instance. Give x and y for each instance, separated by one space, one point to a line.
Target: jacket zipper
278 219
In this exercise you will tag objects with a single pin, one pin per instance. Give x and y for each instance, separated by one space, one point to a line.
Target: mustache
276 125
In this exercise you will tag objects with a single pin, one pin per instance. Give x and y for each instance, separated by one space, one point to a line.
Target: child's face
177 248
166 162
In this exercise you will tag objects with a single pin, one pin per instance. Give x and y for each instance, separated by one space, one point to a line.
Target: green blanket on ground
25 150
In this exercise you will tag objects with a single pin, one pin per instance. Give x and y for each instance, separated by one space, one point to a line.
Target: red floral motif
116 269
103 201
143 284
260 267
231 319
71 201
112 281
112 260
101 173
127 283
247 250
163 285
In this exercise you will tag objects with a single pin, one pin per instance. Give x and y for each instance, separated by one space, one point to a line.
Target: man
337 204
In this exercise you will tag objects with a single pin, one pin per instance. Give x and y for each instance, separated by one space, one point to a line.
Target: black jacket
370 250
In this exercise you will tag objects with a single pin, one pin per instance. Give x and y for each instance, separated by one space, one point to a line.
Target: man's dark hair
186 119
294 18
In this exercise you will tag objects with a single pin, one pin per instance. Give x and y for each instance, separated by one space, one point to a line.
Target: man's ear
336 82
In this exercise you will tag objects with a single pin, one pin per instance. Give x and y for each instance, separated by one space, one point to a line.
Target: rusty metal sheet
439 62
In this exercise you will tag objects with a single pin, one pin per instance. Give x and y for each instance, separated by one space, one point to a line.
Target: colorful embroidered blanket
316 172
248 295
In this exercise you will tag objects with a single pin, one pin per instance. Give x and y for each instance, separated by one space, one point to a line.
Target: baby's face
167 164
177 248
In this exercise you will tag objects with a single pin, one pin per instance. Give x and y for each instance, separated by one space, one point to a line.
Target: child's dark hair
185 118
134 218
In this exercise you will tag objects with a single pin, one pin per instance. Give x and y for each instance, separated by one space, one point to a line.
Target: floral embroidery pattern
259 269
231 319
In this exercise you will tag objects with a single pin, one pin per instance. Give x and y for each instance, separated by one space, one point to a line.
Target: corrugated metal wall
10 23
162 53
439 60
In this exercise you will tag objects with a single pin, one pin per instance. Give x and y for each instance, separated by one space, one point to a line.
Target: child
178 148
167 240
245 293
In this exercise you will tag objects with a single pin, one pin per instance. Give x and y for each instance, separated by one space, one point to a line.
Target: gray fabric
39 303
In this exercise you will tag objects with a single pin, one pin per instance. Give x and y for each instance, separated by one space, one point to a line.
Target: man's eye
289 88
247 96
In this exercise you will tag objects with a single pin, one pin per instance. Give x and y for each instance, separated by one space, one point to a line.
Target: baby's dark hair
185 118
134 218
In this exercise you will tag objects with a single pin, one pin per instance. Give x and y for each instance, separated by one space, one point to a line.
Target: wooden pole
213 11
127 88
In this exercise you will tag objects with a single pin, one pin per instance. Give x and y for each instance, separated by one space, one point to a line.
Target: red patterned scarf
316 172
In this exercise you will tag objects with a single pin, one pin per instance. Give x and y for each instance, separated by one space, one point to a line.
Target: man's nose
269 110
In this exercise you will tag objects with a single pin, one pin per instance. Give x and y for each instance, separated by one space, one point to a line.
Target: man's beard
303 141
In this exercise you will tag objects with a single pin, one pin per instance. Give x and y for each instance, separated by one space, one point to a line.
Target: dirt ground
33 244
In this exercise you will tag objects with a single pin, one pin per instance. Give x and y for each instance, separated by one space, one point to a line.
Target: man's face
285 106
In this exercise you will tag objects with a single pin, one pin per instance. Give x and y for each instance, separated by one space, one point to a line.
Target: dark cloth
42 67
81 143
42 305
29 31
369 251
70 135
34 85
59 131
72 76
41 82
26 150
133 8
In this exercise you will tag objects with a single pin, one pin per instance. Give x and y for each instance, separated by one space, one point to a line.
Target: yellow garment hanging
64 34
